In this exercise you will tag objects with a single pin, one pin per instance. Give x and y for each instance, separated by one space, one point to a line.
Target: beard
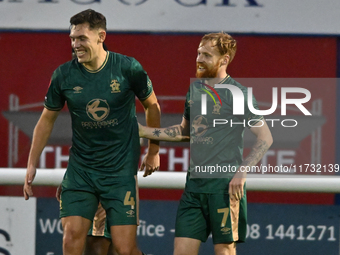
208 72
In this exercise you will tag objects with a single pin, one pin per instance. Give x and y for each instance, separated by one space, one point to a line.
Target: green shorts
200 214
82 191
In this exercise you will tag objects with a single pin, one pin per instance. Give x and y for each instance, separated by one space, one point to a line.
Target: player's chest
209 104
113 90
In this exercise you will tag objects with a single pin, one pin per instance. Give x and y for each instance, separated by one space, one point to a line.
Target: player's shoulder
123 59
64 69
126 63
232 81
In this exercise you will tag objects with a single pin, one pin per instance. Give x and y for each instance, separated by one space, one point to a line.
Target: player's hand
58 193
236 185
30 174
150 163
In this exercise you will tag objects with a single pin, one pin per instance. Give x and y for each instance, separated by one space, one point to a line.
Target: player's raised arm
176 133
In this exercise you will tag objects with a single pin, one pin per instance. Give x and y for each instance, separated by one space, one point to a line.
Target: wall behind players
29 58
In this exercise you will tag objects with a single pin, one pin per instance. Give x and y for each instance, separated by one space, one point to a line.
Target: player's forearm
41 134
153 119
258 150
169 134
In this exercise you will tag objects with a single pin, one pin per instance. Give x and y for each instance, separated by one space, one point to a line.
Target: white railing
176 180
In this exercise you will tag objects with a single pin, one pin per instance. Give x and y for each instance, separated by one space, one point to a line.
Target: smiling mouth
80 53
200 68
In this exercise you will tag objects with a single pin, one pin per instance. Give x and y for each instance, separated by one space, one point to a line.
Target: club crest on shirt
77 89
217 108
115 86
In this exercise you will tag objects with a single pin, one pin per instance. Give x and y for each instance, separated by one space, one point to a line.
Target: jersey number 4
129 200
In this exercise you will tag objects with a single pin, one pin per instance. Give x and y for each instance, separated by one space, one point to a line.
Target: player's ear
225 59
102 36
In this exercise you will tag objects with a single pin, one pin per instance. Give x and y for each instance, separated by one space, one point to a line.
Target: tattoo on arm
156 132
256 153
172 131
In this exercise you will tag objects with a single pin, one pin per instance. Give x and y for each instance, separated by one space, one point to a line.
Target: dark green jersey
216 137
102 106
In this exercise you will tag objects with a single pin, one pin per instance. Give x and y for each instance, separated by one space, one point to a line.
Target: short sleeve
54 99
140 81
186 113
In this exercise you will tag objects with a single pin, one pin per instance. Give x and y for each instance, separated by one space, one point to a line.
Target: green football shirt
102 106
216 138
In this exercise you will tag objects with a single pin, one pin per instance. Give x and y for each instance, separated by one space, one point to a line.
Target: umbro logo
225 230
77 89
131 213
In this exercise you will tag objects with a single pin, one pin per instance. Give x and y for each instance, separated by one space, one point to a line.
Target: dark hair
94 19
